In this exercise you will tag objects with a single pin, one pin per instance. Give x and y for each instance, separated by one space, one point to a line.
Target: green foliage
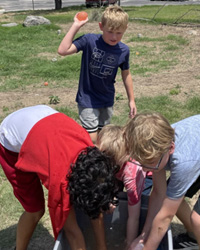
69 112
119 97
172 110
146 58
178 39
165 14
54 99
198 77
174 91
30 50
193 105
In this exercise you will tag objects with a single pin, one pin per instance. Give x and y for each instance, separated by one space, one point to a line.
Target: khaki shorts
94 119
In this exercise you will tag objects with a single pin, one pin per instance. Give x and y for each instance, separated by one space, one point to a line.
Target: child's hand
111 209
80 23
137 244
133 109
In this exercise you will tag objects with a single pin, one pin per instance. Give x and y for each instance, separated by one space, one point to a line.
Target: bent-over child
39 145
111 140
159 146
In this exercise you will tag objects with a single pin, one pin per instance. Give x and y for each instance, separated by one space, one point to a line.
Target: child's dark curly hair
92 182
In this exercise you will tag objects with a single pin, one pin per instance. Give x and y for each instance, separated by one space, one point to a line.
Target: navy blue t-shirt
99 66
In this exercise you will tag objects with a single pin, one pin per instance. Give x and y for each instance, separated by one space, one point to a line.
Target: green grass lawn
26 53
166 14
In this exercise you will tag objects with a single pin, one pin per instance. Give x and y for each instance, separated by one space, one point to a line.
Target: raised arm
128 83
66 46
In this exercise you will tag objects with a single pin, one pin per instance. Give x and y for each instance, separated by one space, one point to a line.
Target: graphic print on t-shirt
102 63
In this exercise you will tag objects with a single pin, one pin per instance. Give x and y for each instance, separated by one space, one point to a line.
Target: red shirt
133 178
49 149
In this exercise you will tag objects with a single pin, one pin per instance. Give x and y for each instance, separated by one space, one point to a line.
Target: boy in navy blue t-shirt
101 58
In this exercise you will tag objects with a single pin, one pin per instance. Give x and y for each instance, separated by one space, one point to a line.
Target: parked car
98 3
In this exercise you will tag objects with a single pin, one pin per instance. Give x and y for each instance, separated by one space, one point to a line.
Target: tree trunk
58 4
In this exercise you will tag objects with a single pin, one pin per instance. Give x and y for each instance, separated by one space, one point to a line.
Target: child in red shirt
57 152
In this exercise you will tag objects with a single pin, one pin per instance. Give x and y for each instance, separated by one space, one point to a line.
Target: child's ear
172 148
100 26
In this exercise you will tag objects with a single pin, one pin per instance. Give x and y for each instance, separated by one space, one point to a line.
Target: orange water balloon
81 16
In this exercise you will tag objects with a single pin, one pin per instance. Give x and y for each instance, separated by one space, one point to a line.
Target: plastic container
115 228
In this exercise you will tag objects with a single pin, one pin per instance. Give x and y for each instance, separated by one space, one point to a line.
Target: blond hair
148 136
114 17
111 140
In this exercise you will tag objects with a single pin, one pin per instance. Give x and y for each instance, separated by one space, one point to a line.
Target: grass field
164 62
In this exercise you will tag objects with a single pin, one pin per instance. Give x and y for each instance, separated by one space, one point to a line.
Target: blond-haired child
111 140
102 55
159 146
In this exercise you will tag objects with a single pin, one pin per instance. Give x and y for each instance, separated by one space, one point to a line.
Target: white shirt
16 126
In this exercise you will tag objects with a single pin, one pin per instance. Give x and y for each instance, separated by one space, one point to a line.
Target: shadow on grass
41 240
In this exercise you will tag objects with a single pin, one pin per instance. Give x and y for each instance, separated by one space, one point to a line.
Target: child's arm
66 46
133 179
99 232
155 200
73 232
132 223
128 83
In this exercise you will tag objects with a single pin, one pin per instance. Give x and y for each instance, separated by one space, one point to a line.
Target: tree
58 4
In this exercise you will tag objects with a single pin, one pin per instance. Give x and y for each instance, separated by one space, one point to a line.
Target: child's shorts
148 184
194 188
94 119
197 206
27 187
192 191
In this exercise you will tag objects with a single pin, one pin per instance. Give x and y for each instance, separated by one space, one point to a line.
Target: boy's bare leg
195 221
25 228
93 137
183 214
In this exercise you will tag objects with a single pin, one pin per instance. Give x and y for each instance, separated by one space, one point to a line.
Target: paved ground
16 5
